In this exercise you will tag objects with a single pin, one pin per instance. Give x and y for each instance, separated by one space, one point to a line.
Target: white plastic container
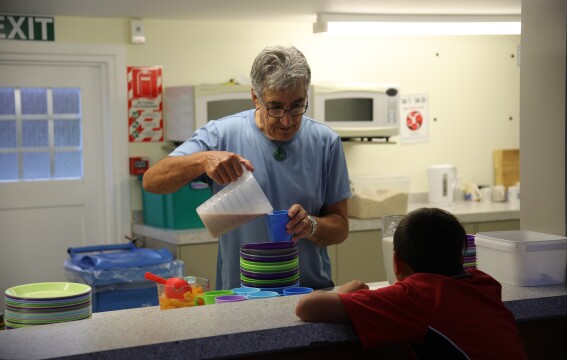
374 196
522 258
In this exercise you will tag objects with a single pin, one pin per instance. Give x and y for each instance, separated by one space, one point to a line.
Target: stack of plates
270 266
470 254
46 303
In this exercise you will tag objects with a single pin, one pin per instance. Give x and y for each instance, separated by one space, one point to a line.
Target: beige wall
472 82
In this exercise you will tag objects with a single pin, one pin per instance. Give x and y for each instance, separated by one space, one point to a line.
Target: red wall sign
414 118
145 104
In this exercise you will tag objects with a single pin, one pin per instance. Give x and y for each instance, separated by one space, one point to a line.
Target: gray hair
280 68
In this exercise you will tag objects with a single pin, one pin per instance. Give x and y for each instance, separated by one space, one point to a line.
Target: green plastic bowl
268 282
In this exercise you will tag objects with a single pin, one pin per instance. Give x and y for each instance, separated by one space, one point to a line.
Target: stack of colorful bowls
270 266
47 303
470 255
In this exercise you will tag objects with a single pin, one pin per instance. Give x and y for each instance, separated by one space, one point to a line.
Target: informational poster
414 119
145 104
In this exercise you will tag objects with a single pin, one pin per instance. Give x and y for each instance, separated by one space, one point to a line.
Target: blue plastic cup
276 221
244 290
297 290
262 295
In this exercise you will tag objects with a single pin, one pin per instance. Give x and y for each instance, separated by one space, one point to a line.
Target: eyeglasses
278 113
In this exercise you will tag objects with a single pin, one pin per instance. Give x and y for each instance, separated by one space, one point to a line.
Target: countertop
466 211
224 330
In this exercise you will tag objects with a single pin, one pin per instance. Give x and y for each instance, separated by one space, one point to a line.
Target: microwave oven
187 108
358 110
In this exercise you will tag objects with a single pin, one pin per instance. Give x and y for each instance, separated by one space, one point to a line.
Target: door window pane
67 132
8 134
9 168
66 101
68 164
34 101
7 103
35 133
36 165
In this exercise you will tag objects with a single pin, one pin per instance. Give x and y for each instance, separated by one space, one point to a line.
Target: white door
50 208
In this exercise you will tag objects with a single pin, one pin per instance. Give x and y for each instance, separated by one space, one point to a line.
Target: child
438 308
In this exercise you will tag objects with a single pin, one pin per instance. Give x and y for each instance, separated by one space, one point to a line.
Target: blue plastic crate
109 298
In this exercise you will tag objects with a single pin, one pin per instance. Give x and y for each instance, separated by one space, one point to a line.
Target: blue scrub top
313 174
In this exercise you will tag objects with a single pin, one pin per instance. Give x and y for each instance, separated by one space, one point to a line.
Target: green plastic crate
176 210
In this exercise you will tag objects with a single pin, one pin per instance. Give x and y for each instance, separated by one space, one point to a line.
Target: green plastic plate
47 290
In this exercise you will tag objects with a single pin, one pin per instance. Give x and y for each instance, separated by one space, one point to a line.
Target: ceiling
250 10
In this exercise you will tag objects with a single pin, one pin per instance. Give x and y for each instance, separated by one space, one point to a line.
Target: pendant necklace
279 152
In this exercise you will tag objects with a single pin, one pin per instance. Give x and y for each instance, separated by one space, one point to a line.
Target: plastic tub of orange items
183 297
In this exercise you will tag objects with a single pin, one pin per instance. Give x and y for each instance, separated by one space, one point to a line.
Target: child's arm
321 306
326 306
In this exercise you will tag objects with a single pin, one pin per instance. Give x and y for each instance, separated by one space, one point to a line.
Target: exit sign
19 27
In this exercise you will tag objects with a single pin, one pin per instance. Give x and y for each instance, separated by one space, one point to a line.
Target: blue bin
116 274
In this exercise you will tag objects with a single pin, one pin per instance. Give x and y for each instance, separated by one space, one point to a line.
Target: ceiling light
428 25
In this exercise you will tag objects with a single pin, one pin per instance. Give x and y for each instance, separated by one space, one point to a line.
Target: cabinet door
470 228
201 260
360 257
498 225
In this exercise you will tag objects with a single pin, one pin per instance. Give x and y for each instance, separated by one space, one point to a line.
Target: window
40 134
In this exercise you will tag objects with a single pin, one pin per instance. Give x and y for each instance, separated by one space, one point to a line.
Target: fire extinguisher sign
145 107
414 119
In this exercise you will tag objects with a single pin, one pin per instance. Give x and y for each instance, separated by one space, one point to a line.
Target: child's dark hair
431 240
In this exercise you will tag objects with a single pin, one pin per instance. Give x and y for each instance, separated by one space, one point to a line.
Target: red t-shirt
467 312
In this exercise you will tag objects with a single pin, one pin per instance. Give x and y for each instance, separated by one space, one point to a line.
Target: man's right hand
225 167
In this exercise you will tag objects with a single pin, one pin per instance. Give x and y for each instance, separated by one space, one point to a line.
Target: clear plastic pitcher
389 225
236 204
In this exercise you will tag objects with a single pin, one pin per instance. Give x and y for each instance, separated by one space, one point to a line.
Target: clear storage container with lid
374 196
522 258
